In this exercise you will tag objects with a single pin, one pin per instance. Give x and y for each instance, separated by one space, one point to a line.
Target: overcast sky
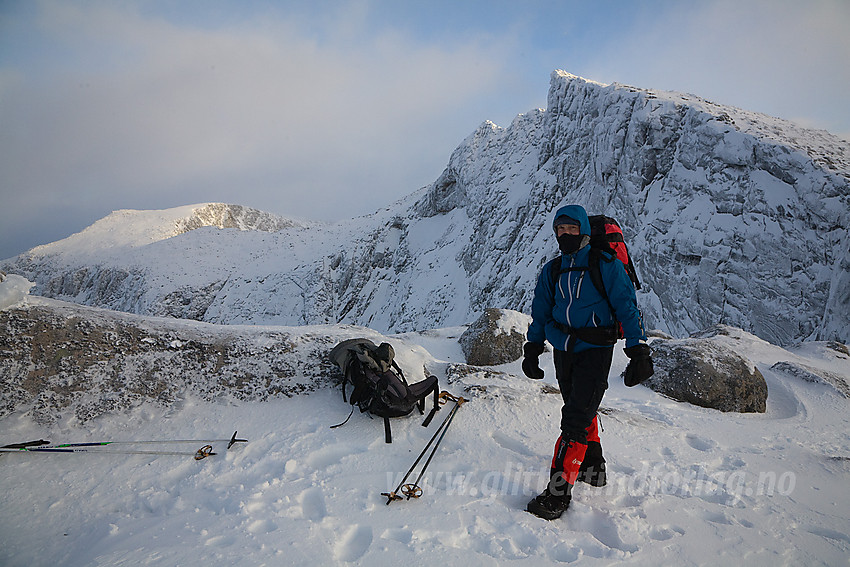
332 109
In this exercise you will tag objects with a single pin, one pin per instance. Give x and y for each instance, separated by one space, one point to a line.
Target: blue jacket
576 303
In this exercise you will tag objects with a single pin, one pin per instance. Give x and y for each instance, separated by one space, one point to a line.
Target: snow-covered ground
687 485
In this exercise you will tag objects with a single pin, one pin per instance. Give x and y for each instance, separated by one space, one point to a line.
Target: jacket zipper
570 289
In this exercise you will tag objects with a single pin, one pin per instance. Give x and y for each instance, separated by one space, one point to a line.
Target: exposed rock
223 215
815 375
656 334
704 372
838 347
477 382
495 338
59 360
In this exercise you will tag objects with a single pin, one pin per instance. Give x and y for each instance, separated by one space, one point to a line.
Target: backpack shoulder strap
593 267
554 272
633 273
397 368
388 434
347 369
594 258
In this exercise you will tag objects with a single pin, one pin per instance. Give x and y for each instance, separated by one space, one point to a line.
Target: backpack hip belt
597 336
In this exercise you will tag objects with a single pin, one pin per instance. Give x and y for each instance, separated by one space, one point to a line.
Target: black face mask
569 243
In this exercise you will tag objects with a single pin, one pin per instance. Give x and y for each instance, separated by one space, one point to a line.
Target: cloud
137 110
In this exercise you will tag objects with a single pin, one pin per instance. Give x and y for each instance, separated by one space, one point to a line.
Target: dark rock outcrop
494 338
59 360
704 372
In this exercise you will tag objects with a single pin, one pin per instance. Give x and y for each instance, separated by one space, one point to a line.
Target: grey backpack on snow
380 387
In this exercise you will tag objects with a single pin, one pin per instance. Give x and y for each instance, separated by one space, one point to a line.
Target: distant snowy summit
129 228
733 217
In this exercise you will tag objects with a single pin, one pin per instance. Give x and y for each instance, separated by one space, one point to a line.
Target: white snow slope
688 485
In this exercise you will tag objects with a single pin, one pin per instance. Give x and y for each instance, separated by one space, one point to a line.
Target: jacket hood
575 212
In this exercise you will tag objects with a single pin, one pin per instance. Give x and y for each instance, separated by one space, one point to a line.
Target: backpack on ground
380 387
605 236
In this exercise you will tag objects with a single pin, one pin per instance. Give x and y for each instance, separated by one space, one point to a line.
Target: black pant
583 379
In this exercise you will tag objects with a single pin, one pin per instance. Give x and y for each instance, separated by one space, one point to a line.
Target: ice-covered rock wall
733 217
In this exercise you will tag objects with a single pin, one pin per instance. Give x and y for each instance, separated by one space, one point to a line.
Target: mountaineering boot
553 501
592 469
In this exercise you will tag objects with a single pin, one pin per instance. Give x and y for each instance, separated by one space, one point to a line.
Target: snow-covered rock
809 374
64 361
706 373
495 338
13 290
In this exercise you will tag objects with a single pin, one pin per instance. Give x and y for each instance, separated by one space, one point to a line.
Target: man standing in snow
575 318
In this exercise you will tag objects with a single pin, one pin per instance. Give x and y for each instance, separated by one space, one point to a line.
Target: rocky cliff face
733 218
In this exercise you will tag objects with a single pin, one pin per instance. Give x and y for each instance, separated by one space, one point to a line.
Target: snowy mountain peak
129 228
820 146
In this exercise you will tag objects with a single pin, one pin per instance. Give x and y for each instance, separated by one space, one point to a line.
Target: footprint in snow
604 529
511 444
663 533
331 454
354 543
563 553
699 443
401 535
262 527
715 517
827 533
220 541
313 504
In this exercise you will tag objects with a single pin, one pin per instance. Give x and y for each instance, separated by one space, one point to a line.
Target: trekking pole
42 446
414 490
202 453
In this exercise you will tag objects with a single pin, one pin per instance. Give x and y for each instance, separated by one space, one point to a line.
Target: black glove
640 365
530 362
